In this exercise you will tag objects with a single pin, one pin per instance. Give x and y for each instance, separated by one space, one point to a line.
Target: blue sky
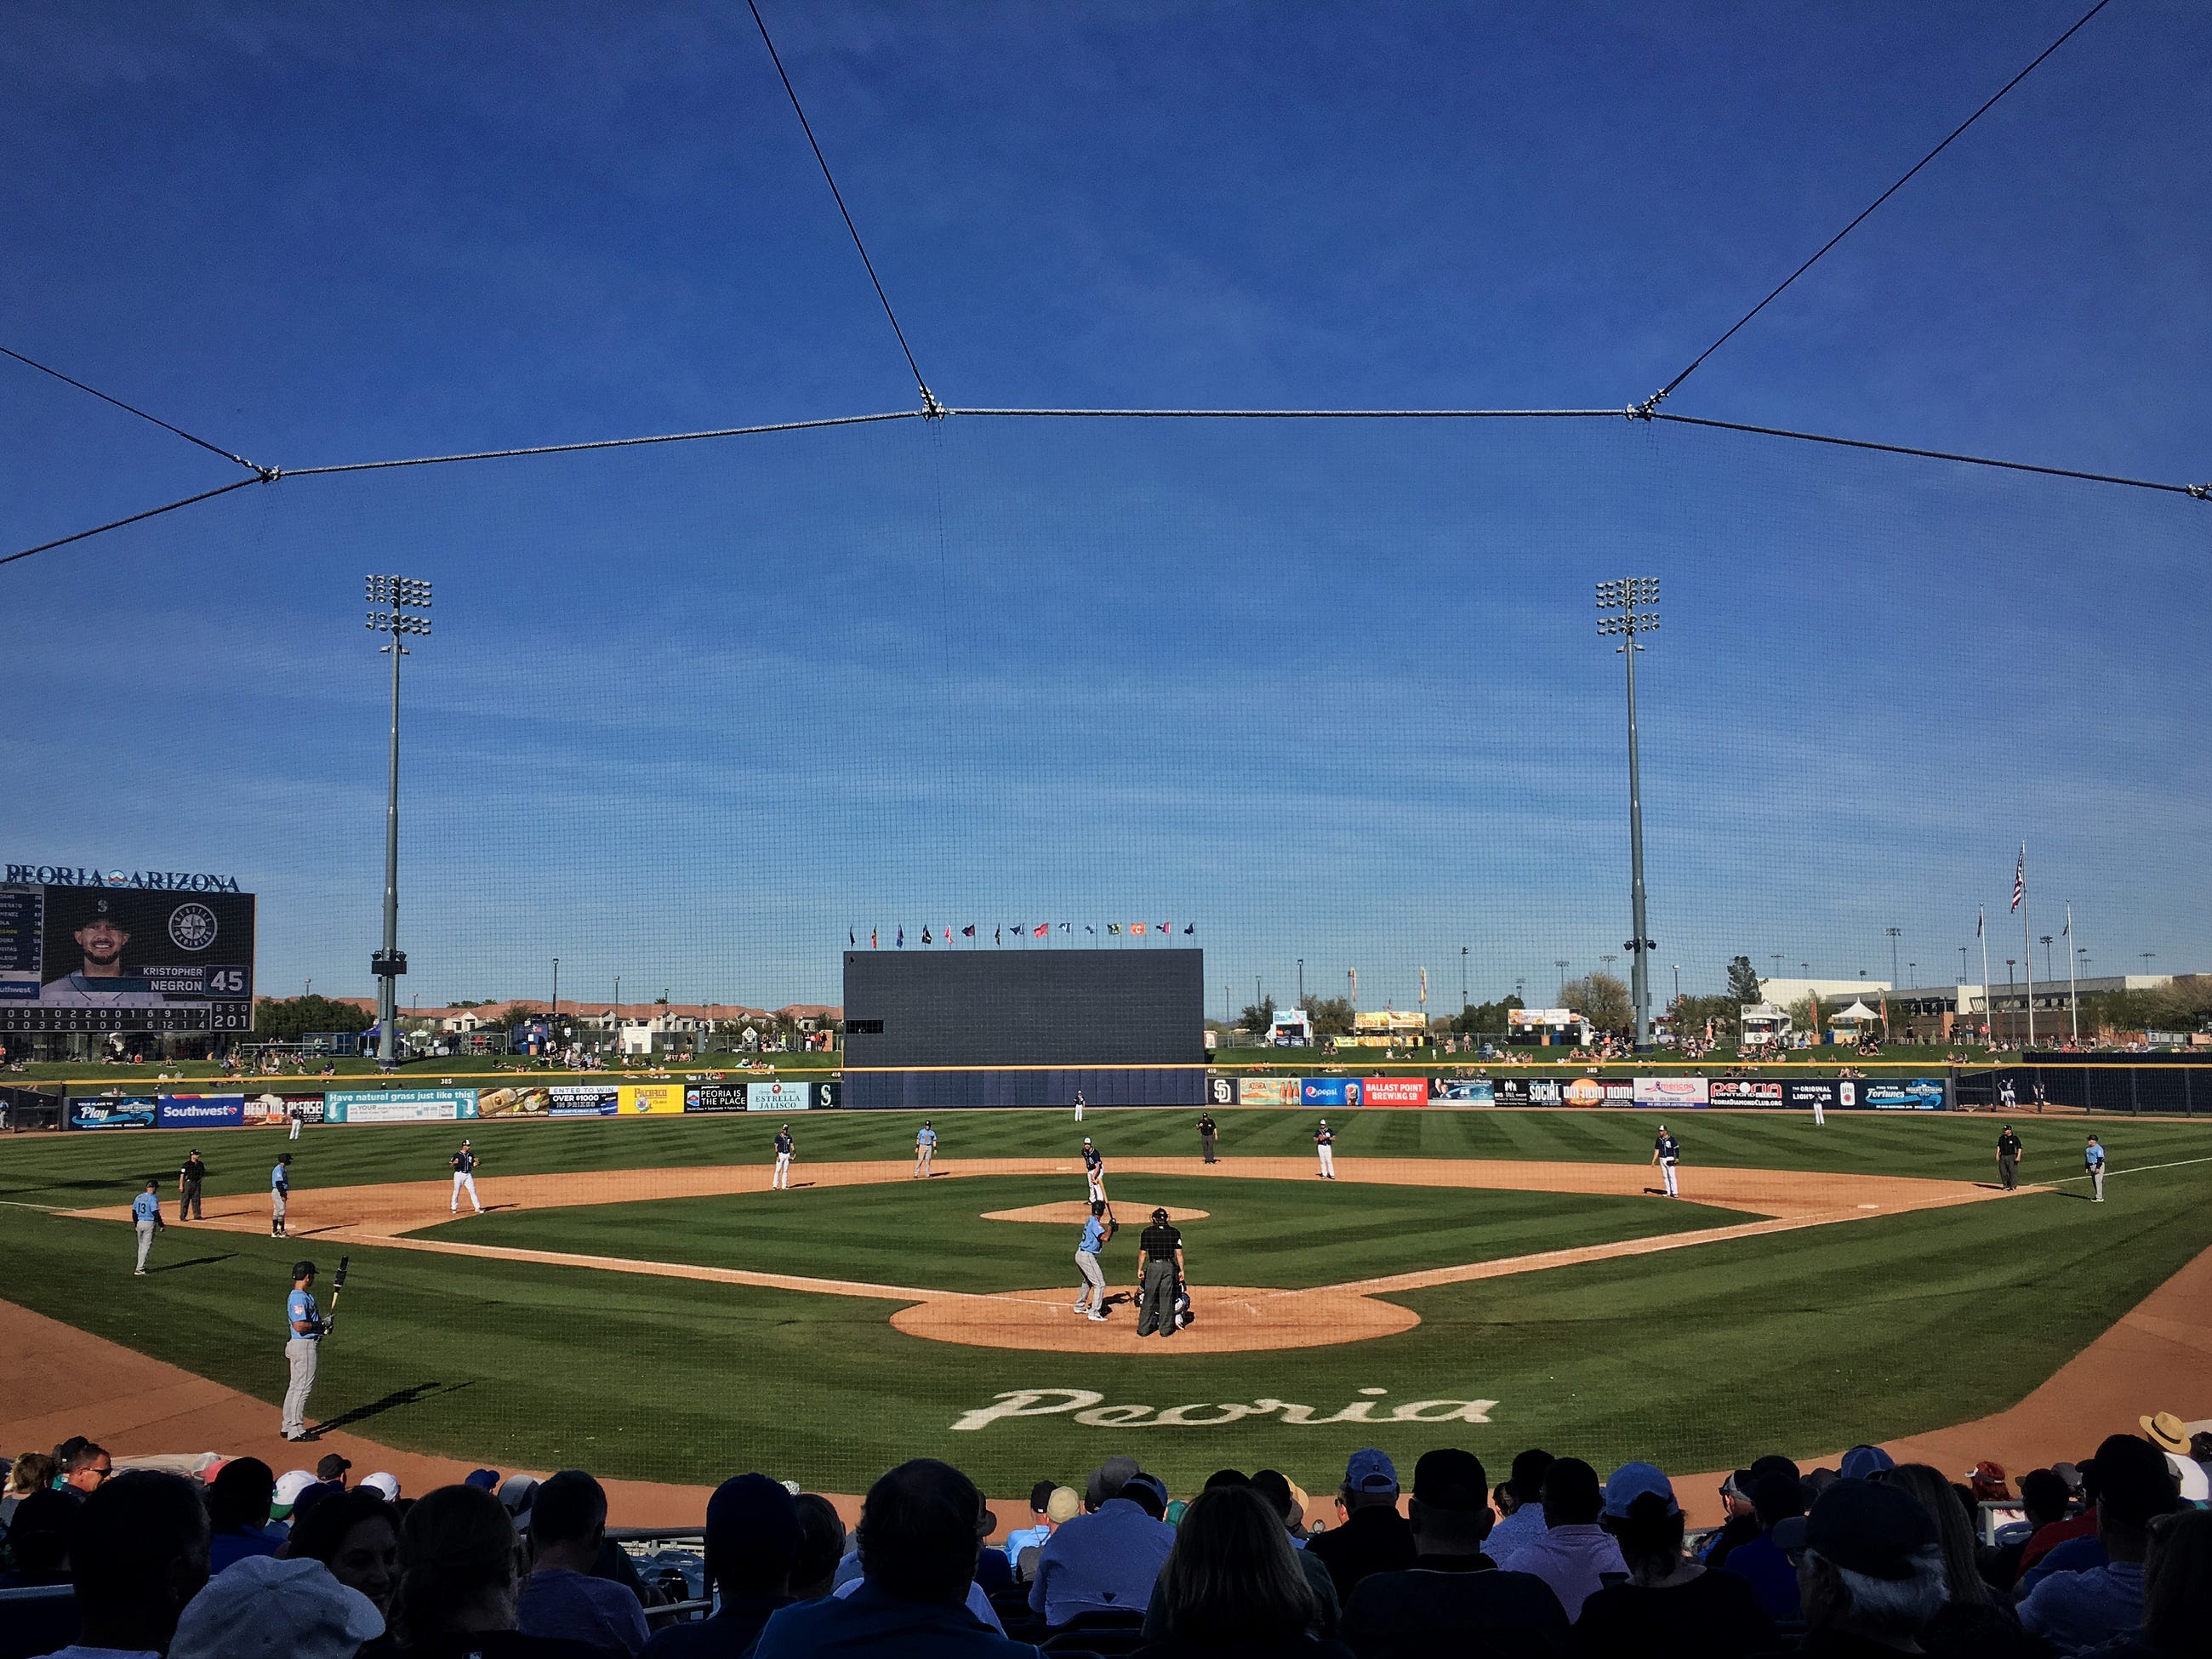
1327 690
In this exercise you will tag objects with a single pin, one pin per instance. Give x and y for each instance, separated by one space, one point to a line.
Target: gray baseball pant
146 1231
1158 1313
1093 1292
303 1354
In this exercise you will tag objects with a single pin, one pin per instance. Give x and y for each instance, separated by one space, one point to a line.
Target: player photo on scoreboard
128 948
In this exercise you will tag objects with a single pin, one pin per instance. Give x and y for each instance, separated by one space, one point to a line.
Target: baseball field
635 1299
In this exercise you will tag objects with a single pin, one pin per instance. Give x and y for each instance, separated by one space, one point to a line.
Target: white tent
1858 1014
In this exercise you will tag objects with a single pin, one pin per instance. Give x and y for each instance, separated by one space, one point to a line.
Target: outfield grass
1276 1234
1701 1358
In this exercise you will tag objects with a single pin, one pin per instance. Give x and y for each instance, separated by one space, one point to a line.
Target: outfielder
1666 1152
280 1193
1094 1171
1324 1140
304 1329
146 1216
1090 1300
925 1148
297 1117
785 1146
463 1164
2093 1160
1078 1105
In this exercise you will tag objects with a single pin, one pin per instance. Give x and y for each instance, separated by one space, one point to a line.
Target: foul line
2132 1169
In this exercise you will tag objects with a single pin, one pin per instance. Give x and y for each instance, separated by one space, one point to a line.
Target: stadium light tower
399 597
1628 608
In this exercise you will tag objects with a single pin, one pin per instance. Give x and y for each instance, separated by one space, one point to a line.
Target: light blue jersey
1094 1235
278 1180
2092 1156
146 1207
299 1308
927 1138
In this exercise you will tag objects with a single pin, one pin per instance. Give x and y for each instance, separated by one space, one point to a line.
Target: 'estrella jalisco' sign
91 875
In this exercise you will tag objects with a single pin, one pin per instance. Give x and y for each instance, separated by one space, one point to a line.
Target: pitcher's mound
1077 1211
1230 1319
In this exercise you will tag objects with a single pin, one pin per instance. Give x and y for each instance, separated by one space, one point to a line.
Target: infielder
304 1329
1161 1260
785 1146
2093 1160
146 1216
1324 1140
463 1164
1666 1152
280 1193
1094 1171
925 1148
1090 1300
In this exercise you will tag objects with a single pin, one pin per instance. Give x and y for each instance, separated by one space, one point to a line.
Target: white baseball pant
465 1183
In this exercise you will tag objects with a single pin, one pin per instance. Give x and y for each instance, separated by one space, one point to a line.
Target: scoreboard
109 958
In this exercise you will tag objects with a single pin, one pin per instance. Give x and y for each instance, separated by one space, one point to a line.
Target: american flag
2019 879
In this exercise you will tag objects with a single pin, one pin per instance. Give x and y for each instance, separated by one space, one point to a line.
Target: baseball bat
337 1289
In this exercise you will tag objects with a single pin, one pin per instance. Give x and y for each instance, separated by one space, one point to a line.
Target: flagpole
1989 1003
2073 986
2027 934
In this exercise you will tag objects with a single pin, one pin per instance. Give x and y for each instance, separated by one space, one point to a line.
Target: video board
109 958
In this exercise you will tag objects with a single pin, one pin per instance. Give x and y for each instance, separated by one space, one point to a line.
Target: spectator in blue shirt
1105 1561
1775 1498
1041 1523
237 1501
2076 1611
567 1523
919 1531
752 1543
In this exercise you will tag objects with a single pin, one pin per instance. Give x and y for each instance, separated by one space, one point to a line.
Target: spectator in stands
2074 1611
1453 1598
86 1468
460 1575
567 1524
138 1553
237 1501
1105 1561
1040 1526
1971 1622
2177 1590
37 1538
1864 1462
1739 1519
1574 1551
918 1528
1521 1511
2046 1498
753 1536
1061 1506
1375 1537
356 1536
821 1546
1759 1561
1869 1570
2078 1520
1232 1585
1289 1503
1671 1608
32 1472
262 1606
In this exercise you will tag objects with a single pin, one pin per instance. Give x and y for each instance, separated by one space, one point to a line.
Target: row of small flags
1019 930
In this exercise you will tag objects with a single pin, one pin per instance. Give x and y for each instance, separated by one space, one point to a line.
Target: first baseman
785 1146
1665 1152
463 1164
1094 1171
2093 1160
1324 1139
280 1193
146 1216
925 1148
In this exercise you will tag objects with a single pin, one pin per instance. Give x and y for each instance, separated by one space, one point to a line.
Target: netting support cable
136 518
264 473
1649 406
1296 414
587 444
930 406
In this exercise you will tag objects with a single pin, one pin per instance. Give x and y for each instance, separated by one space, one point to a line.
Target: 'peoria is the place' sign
91 875
1091 1411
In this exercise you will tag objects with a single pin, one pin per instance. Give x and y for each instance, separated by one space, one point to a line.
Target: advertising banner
714 1097
1581 1091
1676 1092
1328 1091
1220 1090
1267 1091
1920 1095
1829 1094
200 1111
1464 1091
1526 1091
784 1095
1751 1092
398 1105
111 1112
1396 1091
651 1099
278 1108
583 1100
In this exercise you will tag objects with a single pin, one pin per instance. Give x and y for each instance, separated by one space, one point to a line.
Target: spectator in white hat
385 1483
265 1608
289 1485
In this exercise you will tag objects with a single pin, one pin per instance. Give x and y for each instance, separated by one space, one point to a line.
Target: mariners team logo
192 927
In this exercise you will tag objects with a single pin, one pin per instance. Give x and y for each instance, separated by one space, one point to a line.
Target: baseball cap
385 1482
1371 1470
1159 1215
289 1485
1450 1479
1529 1466
331 1467
302 1269
2134 1483
1041 1493
1633 1480
1063 1506
754 1515
1151 1483
1107 1479
1863 1526
1860 1461
481 1480
518 1493
284 1609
